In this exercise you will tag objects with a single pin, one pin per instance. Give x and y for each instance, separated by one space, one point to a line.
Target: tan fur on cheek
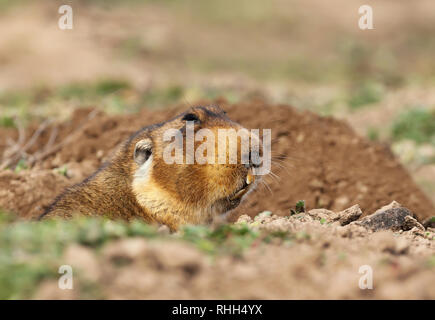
163 208
225 179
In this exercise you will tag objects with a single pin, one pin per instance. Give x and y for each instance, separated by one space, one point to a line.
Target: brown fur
172 194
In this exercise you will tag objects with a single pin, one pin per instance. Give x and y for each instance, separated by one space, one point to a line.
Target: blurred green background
125 55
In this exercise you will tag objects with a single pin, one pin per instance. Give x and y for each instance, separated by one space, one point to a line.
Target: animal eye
190 117
142 151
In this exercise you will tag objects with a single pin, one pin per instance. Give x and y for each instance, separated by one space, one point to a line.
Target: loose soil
323 261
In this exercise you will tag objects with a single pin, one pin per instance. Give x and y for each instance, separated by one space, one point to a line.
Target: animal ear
143 151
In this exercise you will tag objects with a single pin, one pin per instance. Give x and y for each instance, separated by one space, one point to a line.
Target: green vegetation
6 4
7 122
109 95
365 94
99 88
417 125
31 251
21 165
231 239
373 134
299 208
63 171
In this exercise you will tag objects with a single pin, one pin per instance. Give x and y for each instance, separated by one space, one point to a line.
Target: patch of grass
17 280
74 90
15 98
417 125
365 94
21 165
63 171
373 134
6 217
31 251
111 95
227 238
162 96
7 4
299 208
92 90
7 122
231 238
111 86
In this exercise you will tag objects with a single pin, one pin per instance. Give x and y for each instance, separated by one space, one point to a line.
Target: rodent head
194 189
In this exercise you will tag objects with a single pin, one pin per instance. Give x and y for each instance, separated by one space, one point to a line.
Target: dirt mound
325 162
28 193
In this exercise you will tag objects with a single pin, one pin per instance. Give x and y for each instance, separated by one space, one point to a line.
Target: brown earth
322 161
324 261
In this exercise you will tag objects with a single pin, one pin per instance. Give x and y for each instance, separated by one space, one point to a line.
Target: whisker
277 178
283 167
266 185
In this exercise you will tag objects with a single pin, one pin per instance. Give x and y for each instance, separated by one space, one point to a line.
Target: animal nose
253 160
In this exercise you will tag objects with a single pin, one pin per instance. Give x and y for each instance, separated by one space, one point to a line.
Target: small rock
392 218
416 231
305 218
326 214
392 205
244 218
264 217
278 225
410 223
349 215
164 229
